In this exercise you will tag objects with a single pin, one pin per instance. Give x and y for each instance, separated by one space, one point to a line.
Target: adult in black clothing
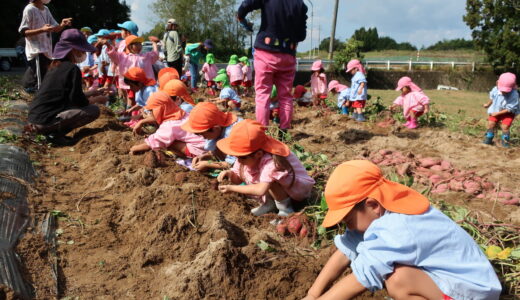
61 105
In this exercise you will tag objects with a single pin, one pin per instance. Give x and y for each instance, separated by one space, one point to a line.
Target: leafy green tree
455 44
369 37
496 30
202 19
324 44
350 50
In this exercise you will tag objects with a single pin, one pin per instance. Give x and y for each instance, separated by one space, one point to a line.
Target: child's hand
153 39
223 175
200 165
486 105
309 297
137 128
225 188
133 150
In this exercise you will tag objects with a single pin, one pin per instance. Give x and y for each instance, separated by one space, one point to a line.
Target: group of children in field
394 238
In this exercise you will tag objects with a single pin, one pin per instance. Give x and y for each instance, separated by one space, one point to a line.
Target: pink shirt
267 172
234 72
248 73
318 84
126 61
170 131
210 71
412 100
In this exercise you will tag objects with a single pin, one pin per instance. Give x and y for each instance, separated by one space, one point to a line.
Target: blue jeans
194 71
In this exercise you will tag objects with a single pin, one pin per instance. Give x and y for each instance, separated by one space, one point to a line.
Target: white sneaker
284 207
265 208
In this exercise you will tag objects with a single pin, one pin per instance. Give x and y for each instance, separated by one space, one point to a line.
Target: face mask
78 58
46 2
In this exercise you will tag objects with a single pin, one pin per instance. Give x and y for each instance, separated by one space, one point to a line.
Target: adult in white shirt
37 25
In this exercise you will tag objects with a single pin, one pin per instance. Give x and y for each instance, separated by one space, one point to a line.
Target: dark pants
176 64
29 78
70 119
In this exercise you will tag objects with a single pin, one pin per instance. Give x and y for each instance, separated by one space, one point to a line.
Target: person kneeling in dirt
502 107
209 122
414 102
228 97
396 240
61 105
162 109
343 93
142 87
267 166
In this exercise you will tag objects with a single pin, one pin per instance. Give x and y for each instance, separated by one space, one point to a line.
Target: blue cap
130 26
92 39
102 32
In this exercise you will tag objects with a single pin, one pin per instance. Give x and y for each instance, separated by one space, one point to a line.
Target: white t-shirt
34 18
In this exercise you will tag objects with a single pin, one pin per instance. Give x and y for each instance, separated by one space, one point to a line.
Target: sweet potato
377 158
386 162
403 169
470 184
441 188
429 161
281 228
455 185
294 225
486 185
514 201
504 195
445 165
385 152
304 232
481 196
436 168
436 179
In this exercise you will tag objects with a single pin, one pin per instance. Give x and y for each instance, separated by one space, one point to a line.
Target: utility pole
333 31
312 19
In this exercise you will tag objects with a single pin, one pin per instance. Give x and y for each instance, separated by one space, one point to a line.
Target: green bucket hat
210 58
221 71
274 92
245 60
233 59
222 78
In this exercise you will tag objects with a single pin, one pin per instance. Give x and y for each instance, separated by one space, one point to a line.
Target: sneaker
265 208
284 207
60 140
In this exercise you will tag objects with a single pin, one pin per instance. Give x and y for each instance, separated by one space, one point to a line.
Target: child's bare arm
347 288
426 108
334 267
488 104
361 87
504 111
139 148
257 189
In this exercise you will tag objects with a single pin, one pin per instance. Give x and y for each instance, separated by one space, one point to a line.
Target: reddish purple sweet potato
456 185
436 179
446 165
429 161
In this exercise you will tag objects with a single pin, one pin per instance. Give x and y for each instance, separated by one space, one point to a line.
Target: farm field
129 231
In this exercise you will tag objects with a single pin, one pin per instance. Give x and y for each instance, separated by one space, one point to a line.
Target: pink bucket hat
355 63
407 81
506 82
317 65
333 84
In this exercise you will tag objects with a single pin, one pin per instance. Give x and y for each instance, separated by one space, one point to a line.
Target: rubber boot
413 124
407 121
505 140
267 207
344 110
360 117
488 139
354 115
284 207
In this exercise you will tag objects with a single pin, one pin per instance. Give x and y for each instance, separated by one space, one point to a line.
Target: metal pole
333 31
312 18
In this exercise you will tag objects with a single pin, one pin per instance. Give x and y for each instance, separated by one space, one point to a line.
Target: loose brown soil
135 232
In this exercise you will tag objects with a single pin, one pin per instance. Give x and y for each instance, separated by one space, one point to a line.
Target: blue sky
420 22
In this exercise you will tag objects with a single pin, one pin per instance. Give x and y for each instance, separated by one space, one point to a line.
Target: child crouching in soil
502 107
227 95
414 102
343 92
170 117
396 240
208 121
267 166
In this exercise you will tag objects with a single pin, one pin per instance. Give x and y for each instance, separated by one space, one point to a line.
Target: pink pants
278 69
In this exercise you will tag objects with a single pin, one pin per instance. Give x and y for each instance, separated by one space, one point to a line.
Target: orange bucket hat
205 116
163 108
354 181
176 87
249 136
133 39
138 74
165 75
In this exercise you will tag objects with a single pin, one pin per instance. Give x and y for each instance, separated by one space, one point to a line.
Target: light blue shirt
211 145
186 107
343 97
500 102
229 93
88 62
357 79
103 57
142 95
430 241
273 105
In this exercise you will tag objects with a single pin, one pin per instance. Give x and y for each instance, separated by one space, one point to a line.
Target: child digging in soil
502 107
414 102
269 169
165 75
210 71
396 240
165 112
343 92
142 87
209 122
358 89
318 84
227 96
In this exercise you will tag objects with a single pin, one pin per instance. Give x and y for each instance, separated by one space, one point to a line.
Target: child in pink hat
414 102
358 88
318 84
343 93
503 106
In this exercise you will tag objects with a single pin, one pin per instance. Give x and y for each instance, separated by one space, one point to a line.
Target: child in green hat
210 72
247 81
234 71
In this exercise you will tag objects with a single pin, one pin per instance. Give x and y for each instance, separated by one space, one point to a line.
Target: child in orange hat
165 75
165 112
209 122
396 240
268 167
141 85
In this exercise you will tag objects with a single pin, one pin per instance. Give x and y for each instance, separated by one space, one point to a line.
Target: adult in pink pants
284 25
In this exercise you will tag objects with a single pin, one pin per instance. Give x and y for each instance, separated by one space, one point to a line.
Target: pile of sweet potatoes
296 225
440 175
